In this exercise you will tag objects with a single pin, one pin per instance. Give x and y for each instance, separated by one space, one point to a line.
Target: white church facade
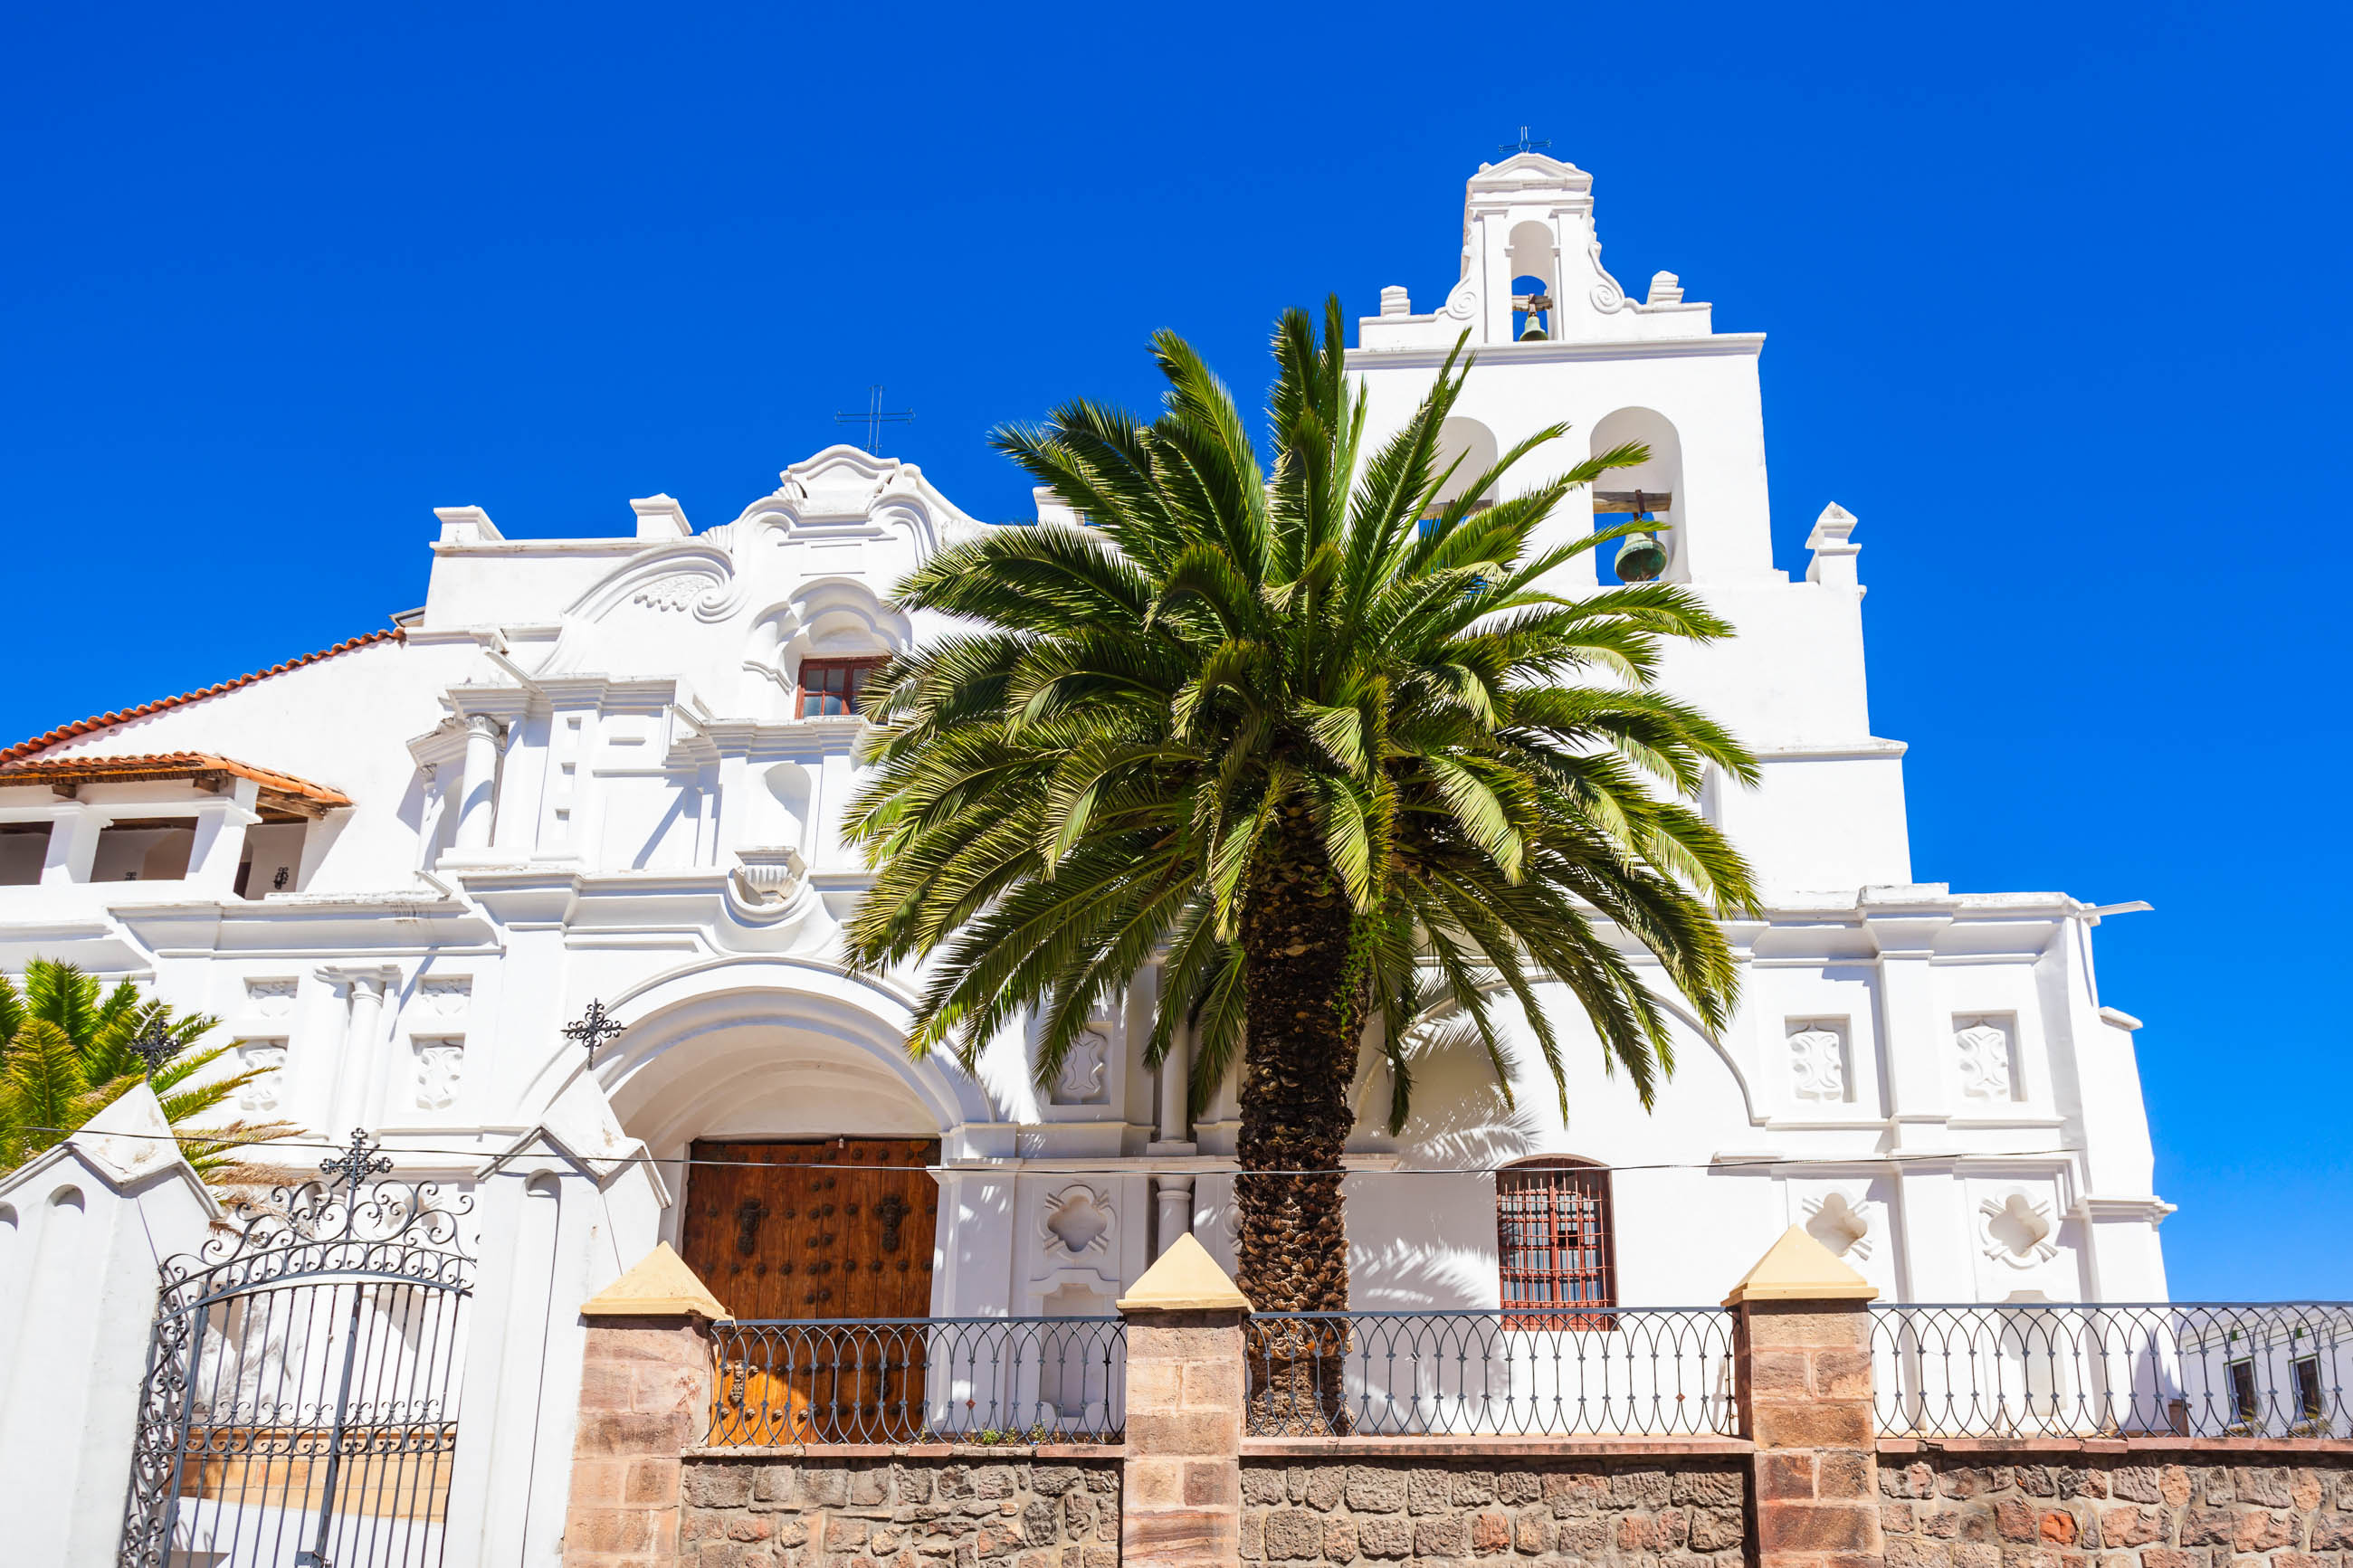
609 768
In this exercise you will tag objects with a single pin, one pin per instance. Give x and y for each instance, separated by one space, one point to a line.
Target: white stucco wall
578 777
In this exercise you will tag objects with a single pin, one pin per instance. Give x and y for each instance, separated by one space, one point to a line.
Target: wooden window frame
1557 1200
860 666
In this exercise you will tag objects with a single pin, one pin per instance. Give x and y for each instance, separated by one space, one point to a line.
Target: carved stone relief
2017 1230
447 996
1083 1080
271 998
1075 1223
265 1057
1818 1068
440 1065
1840 1224
1983 1056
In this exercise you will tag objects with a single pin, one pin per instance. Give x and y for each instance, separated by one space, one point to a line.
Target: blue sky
2055 298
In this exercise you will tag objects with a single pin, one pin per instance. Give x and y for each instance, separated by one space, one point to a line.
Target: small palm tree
67 1053
1329 747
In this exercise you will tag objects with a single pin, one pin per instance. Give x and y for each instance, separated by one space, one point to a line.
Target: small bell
1534 333
1641 558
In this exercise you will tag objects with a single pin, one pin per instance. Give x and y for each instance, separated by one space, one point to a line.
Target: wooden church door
835 1229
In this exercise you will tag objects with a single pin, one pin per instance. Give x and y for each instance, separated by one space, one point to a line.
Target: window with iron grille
1553 1238
2244 1405
2311 1399
830 686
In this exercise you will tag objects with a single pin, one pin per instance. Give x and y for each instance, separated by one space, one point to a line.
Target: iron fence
2188 1369
1619 1371
920 1380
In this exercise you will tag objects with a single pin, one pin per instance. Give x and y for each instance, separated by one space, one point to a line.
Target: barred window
1553 1238
830 686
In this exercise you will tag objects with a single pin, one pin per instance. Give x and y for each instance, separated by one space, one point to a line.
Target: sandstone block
1210 1482
1816 1527
1375 1488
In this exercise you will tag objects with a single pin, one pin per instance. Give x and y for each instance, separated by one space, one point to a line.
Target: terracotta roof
281 791
64 732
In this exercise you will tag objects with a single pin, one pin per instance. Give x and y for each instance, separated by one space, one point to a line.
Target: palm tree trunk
1308 971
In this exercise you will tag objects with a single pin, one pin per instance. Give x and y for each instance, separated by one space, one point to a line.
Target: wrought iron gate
300 1405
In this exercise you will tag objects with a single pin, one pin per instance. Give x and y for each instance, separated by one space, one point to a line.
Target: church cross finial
875 417
154 1045
356 1164
593 1028
1523 144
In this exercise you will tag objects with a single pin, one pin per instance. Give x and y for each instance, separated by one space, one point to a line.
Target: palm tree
1327 745
66 1052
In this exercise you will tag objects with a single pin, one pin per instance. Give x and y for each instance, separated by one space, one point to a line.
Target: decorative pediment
1523 174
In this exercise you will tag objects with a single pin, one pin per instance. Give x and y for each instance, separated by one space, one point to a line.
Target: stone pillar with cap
645 1398
1181 1484
1802 1359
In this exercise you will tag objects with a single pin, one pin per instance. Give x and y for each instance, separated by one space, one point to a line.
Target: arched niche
1662 474
1474 444
825 618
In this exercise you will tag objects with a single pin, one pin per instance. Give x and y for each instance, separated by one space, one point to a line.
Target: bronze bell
1641 558
1534 333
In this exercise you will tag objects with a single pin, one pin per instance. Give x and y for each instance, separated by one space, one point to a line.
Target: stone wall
1963 1511
898 1512
1551 1514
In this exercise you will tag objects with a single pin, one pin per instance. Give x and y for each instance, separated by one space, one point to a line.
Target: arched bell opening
1652 490
1535 259
1475 445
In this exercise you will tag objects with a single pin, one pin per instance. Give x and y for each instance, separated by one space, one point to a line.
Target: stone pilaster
645 1398
1801 1358
1181 1491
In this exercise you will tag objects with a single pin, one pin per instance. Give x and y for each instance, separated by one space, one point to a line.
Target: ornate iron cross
593 1028
356 1164
1523 144
154 1045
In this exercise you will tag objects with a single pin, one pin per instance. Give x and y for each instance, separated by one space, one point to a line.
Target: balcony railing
1616 1371
2180 1369
919 1380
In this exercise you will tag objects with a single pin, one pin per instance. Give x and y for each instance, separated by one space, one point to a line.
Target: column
1180 1490
1174 1194
356 1097
73 846
478 792
219 845
1801 1364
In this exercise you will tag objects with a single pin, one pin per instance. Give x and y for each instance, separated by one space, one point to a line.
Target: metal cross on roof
1523 144
875 417
154 1045
356 1164
593 1028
